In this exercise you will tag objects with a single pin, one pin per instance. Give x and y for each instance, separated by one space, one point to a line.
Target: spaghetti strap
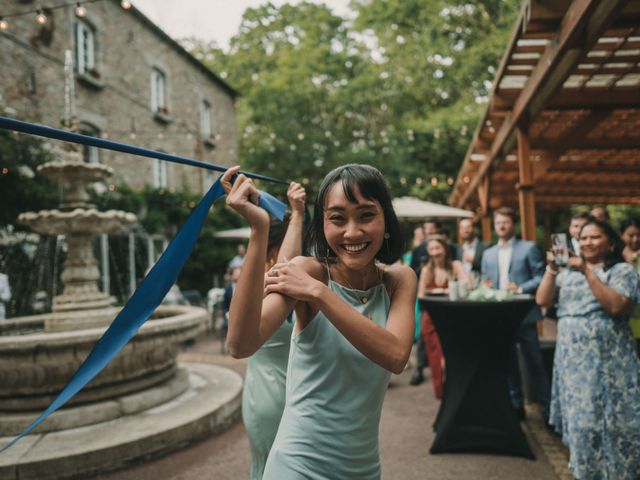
326 262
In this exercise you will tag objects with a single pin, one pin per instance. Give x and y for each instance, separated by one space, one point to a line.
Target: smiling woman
354 322
595 400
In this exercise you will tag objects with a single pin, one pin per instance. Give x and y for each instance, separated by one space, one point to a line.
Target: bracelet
551 271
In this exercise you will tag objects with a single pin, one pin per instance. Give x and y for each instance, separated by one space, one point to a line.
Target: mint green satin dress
263 395
329 428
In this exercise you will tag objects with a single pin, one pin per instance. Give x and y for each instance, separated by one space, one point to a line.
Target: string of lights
41 12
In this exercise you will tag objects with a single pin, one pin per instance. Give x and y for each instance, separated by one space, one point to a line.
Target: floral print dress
596 380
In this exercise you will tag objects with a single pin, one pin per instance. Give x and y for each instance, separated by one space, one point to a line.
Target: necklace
364 298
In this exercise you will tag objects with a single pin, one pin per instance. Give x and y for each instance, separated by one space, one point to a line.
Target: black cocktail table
476 337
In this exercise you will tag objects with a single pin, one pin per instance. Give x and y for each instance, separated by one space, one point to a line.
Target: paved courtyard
405 437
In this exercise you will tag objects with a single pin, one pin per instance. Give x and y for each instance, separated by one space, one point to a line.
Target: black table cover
476 337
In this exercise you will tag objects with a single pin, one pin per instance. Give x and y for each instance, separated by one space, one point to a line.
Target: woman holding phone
596 378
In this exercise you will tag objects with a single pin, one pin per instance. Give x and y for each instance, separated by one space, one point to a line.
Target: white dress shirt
504 262
469 248
576 246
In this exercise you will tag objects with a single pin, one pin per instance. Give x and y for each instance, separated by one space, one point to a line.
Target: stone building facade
134 84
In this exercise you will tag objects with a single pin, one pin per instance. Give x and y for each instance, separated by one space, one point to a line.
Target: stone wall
116 99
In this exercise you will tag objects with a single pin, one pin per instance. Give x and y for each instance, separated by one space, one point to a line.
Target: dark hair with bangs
629 222
371 185
614 256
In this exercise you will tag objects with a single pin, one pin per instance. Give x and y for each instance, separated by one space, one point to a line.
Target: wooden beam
542 167
579 30
526 187
577 189
577 134
567 200
484 192
579 143
576 99
513 41
571 167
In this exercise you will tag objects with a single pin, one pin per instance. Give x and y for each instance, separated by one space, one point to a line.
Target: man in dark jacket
517 265
470 251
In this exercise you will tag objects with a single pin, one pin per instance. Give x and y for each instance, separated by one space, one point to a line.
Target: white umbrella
237 233
411 208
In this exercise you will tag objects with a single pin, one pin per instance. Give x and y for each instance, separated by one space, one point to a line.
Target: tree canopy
400 86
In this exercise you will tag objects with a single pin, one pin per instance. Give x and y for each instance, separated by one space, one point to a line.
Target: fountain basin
78 221
36 364
76 169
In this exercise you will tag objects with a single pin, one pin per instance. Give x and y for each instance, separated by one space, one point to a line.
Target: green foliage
400 88
21 189
163 212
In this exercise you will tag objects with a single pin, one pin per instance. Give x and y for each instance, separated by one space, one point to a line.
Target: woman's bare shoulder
397 276
312 266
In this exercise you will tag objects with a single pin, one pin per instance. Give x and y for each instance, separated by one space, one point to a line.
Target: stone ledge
82 415
211 405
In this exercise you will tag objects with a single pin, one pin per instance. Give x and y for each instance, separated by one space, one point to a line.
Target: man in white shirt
471 249
577 222
238 260
518 266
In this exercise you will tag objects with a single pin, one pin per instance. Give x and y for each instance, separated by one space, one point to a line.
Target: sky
208 20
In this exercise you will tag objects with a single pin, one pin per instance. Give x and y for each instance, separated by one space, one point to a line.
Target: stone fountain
142 404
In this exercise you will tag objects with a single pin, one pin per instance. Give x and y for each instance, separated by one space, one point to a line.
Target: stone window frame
205 118
160 173
90 154
207 131
159 104
85 46
208 178
91 74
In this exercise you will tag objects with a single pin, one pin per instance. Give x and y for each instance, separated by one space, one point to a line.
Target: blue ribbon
145 300
56 134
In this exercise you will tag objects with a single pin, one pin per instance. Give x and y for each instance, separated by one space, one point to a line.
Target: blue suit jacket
526 269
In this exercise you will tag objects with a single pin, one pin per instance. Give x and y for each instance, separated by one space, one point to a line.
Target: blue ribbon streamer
56 134
145 300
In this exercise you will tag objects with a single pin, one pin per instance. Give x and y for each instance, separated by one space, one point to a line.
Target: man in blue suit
518 265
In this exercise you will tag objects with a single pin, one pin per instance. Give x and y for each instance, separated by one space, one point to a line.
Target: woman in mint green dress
354 322
264 384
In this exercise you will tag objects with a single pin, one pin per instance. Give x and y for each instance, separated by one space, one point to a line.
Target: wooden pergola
562 125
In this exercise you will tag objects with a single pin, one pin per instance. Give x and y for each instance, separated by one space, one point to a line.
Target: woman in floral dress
596 380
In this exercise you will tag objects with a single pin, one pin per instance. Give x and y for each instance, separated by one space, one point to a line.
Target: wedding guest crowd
593 398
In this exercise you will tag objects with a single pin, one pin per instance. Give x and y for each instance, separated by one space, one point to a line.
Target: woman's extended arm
460 273
388 346
251 322
613 303
422 282
546 293
292 242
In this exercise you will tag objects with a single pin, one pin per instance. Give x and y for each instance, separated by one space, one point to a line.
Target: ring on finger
273 272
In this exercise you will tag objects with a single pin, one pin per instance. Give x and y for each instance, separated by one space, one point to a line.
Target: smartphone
560 248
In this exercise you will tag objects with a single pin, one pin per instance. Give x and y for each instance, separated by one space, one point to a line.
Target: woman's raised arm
250 322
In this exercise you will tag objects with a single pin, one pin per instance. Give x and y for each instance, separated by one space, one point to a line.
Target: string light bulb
80 10
41 18
126 5
4 25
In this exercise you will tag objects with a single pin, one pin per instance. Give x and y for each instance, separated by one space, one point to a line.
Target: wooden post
525 187
486 228
483 196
